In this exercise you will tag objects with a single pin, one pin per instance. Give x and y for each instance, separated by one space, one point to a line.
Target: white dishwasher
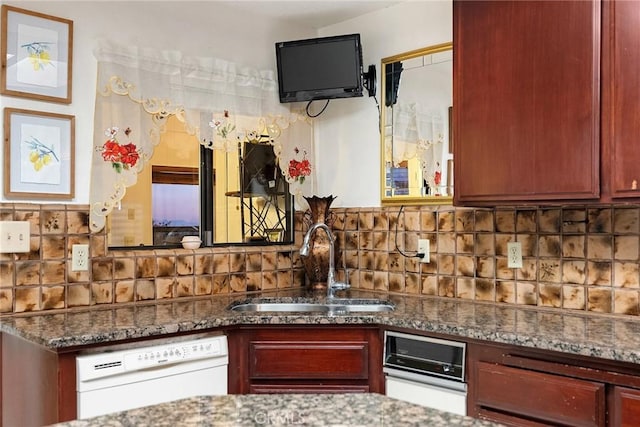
126 379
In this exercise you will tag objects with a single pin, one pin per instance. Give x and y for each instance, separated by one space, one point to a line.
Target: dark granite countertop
603 336
357 409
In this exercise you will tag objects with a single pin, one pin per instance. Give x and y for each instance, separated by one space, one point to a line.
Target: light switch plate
15 236
514 255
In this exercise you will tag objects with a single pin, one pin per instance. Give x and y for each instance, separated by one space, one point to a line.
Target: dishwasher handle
426 379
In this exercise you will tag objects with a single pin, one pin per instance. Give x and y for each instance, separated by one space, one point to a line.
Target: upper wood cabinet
545 104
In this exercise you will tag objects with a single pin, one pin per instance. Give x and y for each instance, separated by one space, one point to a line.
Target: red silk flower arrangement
121 156
299 169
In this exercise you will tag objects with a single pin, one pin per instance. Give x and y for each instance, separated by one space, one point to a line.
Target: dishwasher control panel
117 362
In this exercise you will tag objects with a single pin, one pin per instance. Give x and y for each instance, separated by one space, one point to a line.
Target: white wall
347 139
195 28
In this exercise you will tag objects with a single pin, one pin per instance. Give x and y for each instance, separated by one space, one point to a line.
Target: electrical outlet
424 248
80 258
514 255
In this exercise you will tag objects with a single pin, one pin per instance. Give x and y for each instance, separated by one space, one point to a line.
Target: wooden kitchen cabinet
525 387
305 359
545 104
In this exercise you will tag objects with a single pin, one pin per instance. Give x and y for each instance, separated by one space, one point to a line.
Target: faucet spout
332 285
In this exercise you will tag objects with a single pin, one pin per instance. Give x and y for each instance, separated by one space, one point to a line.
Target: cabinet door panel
621 89
307 388
540 396
626 407
320 359
526 100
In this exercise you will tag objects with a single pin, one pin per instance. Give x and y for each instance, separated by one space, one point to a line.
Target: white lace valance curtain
139 88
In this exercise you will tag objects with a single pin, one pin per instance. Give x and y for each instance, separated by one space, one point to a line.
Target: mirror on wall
416 137
189 190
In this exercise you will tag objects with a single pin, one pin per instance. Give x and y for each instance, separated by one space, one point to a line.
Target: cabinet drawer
308 360
540 396
626 407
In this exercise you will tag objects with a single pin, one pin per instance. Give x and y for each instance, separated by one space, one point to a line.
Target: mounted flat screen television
320 68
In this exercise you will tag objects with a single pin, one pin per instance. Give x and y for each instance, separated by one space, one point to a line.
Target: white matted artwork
38 154
36 55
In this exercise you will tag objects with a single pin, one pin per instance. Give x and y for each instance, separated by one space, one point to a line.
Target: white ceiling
312 13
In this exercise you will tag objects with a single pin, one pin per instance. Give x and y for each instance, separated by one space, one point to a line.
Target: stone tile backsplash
574 258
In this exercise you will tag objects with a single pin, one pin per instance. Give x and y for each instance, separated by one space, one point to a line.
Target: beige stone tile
599 220
599 247
626 275
528 244
573 246
6 274
165 266
465 243
411 241
102 293
269 280
220 284
254 281
77 222
350 221
184 286
351 240
124 268
626 302
32 216
254 263
124 291
465 220
485 290
626 220
526 293
465 288
380 221
526 221
503 271
506 292
6 300
366 260
626 248
412 283
550 295
165 287
77 276
98 245
599 300
365 220
237 262
145 290
34 250
446 220
392 282
102 269
204 285
269 260
485 267
221 263
549 220
446 243
427 220
365 279
54 222
27 299
53 297
53 272
446 264
465 266
27 273
411 220
146 267
446 286
283 261
599 273
365 240
351 259
381 241
485 244
429 285
238 282
505 221
574 272
415 265
484 220
529 270
502 241
54 247
549 270
574 220
573 297
549 246
392 262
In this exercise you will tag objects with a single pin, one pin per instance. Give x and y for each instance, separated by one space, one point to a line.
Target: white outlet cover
514 255
80 258
424 246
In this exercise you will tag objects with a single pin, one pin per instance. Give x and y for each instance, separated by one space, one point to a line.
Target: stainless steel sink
338 306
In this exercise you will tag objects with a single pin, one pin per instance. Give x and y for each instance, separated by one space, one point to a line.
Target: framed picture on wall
36 54
39 160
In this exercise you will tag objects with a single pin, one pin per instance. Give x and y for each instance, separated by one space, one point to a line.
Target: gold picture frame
39 155
36 55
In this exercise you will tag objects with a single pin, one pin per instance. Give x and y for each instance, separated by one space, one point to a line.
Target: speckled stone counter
364 410
603 336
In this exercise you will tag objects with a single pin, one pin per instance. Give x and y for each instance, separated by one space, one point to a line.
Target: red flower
111 151
129 154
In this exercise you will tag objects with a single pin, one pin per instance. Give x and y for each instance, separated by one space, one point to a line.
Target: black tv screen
320 68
